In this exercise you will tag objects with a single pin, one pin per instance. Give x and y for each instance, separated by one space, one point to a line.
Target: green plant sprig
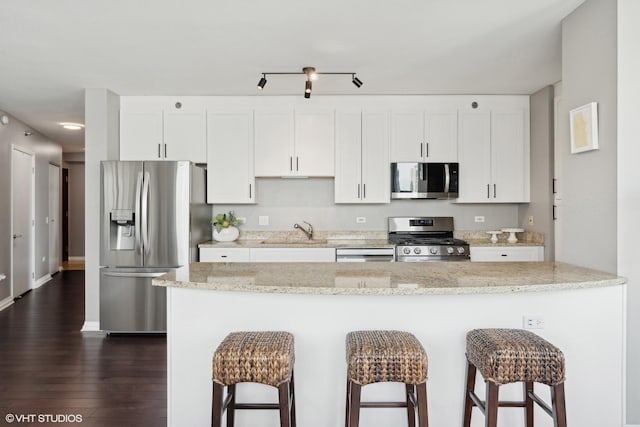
225 220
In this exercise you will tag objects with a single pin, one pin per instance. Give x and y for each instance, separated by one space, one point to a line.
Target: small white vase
228 234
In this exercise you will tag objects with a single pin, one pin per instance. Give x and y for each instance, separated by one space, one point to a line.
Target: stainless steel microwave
424 180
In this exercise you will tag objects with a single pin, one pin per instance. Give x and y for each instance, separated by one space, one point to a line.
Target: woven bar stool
506 356
386 356
257 357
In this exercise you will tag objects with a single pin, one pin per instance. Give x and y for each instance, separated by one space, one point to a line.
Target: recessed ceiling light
72 126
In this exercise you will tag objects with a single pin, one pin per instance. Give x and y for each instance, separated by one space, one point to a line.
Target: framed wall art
584 128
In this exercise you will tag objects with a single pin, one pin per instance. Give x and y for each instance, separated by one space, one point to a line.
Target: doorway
65 214
54 219
22 220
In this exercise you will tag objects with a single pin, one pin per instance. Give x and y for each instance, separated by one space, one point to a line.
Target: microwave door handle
137 212
447 178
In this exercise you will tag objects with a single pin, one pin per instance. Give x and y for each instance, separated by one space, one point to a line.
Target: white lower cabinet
225 254
293 255
507 253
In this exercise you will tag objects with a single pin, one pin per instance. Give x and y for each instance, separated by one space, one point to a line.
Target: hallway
48 367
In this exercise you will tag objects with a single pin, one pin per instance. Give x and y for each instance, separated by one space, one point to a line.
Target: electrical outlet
479 218
361 219
533 322
531 220
263 220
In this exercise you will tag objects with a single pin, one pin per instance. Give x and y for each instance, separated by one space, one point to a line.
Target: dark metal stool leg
216 405
423 415
231 406
528 404
411 410
283 400
347 406
354 405
491 405
468 403
558 404
292 402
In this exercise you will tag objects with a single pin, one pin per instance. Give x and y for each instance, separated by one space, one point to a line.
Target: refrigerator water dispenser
123 230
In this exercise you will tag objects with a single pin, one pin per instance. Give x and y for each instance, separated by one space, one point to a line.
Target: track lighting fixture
262 82
312 75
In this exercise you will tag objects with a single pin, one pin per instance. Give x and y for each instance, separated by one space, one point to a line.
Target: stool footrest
541 403
511 404
257 406
383 404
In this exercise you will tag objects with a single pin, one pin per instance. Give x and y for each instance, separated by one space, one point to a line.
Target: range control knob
407 251
449 250
434 251
417 250
460 250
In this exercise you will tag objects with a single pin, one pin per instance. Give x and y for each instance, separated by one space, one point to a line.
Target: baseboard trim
76 258
41 281
632 425
6 303
90 326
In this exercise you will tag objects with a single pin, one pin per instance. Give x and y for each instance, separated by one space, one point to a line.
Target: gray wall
101 143
588 180
46 151
629 189
541 206
76 209
287 201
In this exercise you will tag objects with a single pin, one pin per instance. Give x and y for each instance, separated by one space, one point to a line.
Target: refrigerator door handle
136 211
145 212
135 274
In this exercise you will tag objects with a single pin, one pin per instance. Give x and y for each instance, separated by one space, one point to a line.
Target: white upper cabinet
157 134
362 157
424 136
230 174
494 155
294 144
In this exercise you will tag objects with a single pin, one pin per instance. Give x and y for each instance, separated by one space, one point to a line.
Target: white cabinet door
293 255
424 136
314 143
376 172
273 142
474 154
225 254
230 175
441 136
507 253
407 136
185 136
348 181
509 165
141 135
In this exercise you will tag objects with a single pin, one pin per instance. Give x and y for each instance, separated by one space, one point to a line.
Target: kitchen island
582 312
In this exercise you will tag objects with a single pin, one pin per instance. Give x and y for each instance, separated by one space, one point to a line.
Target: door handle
364 191
297 163
135 274
145 212
494 191
358 191
488 190
159 150
17 236
137 212
421 149
427 146
165 151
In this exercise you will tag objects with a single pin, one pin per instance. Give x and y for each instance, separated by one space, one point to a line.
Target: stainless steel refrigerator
153 215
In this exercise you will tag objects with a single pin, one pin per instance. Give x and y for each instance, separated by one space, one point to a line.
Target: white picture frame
583 124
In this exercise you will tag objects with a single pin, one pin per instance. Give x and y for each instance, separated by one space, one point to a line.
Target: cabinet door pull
358 191
249 190
297 163
421 149
427 144
291 163
554 215
159 150
494 191
165 151
503 255
488 192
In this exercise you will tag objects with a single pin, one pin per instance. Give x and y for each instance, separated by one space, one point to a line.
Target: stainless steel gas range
420 239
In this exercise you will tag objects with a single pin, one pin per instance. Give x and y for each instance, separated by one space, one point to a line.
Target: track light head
311 73
262 82
307 86
356 81
307 95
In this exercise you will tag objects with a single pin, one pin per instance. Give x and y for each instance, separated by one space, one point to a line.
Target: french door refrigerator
153 215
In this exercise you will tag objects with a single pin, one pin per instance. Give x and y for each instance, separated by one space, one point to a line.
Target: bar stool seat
386 356
257 357
506 356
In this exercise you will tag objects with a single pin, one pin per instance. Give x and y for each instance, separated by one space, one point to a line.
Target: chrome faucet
308 232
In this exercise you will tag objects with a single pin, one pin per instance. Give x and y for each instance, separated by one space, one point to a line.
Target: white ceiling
51 50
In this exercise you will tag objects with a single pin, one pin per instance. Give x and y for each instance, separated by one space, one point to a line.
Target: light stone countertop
400 278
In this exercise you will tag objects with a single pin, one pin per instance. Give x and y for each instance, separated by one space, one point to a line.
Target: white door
507 156
348 181
314 143
376 176
22 220
407 136
441 136
474 154
273 142
141 136
54 218
185 136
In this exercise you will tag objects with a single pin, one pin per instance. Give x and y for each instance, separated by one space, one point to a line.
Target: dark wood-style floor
47 366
